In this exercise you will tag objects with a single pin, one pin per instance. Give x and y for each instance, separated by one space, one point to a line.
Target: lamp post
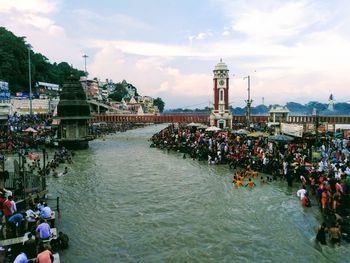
248 101
85 56
317 123
30 82
85 82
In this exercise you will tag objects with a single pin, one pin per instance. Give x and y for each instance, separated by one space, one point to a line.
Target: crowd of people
34 223
326 180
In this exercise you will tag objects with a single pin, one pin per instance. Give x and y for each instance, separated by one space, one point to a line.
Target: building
46 90
5 103
278 114
132 92
73 113
221 116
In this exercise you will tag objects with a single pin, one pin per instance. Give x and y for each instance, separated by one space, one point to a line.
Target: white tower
331 103
221 115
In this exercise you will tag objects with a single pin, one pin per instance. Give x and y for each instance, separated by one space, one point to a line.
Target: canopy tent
258 134
241 132
193 124
281 138
30 129
213 128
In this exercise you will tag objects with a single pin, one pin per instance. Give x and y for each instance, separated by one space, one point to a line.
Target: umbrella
281 138
193 124
241 132
203 126
258 134
212 128
30 130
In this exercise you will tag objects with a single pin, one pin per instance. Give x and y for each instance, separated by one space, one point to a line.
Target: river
123 201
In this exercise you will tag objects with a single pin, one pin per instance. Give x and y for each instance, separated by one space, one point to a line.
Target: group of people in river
325 181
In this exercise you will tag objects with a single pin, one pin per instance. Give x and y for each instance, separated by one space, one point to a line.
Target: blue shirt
21 258
45 212
16 218
44 230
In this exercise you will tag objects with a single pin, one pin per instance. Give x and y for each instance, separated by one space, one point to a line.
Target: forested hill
293 107
14 64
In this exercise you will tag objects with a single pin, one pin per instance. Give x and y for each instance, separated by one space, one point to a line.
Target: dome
221 66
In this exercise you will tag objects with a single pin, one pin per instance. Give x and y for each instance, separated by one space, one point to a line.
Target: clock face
221 82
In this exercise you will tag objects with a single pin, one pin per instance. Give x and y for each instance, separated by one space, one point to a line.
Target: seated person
43 230
45 255
31 214
21 258
29 246
45 212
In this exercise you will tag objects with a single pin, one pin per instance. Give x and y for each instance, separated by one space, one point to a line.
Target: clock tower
221 116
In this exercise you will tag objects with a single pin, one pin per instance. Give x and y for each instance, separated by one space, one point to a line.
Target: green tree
159 103
119 93
14 64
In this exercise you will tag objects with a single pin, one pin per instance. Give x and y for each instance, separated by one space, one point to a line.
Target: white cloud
152 76
201 36
146 48
34 19
92 21
36 6
298 48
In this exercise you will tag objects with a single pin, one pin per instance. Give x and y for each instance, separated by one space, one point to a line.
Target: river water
123 201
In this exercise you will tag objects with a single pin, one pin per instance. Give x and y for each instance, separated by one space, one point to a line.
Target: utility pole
85 82
249 102
30 82
85 56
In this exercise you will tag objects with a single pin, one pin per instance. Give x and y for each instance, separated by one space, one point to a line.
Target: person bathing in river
238 183
250 183
263 181
335 234
306 201
321 234
65 170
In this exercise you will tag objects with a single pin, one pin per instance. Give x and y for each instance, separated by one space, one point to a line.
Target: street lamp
248 101
85 56
30 82
85 82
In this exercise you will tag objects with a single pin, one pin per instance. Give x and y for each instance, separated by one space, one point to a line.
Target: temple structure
73 113
221 116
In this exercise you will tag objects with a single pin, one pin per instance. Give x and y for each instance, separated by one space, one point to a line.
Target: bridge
188 118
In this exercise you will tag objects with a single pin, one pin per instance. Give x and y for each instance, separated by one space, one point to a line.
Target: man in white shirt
301 193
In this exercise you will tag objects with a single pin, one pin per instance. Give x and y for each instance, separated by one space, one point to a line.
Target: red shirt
7 208
44 257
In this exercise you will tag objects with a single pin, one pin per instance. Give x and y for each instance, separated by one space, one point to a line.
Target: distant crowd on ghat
327 180
25 131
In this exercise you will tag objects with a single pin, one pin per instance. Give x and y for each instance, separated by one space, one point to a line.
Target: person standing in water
321 234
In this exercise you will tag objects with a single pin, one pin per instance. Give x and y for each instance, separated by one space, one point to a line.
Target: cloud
153 76
34 19
91 22
201 36
146 48
299 49
32 6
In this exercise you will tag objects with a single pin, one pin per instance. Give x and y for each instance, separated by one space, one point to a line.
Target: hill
14 64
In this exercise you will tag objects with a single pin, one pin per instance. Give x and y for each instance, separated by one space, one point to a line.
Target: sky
292 50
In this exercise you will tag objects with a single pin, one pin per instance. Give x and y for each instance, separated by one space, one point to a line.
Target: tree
14 64
119 93
159 103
